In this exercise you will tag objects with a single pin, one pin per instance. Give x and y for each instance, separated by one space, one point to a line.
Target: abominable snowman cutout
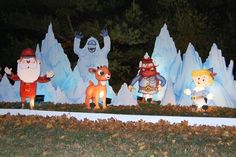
91 55
28 73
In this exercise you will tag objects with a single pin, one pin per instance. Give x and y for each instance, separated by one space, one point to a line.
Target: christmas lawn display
69 86
171 82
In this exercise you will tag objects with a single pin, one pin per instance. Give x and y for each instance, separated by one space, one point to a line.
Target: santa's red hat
28 52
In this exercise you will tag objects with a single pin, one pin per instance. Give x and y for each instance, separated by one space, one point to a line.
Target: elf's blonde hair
206 72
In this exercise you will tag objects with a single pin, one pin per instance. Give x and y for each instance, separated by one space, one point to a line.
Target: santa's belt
197 97
147 88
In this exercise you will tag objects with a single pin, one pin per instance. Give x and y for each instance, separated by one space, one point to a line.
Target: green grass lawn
34 136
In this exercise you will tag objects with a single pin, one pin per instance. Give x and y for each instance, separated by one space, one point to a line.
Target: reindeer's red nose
28 61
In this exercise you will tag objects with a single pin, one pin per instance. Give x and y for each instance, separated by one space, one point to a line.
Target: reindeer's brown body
95 92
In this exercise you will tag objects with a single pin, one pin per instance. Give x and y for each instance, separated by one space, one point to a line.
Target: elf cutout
200 94
150 81
28 72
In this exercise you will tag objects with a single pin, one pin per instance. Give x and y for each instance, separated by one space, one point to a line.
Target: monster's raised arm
78 37
107 41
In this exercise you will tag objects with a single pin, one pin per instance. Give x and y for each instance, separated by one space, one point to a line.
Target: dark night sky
23 23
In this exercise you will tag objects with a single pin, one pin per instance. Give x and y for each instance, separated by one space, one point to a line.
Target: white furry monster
91 55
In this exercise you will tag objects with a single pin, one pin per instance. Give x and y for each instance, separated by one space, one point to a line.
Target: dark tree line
133 26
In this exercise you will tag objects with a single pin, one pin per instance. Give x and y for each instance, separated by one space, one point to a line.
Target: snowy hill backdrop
67 86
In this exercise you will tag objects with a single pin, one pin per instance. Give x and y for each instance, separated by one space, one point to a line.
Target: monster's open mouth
92 49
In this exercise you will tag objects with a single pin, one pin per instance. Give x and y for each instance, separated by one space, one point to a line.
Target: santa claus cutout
28 72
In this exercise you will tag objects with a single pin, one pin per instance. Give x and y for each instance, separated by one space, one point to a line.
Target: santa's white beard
28 75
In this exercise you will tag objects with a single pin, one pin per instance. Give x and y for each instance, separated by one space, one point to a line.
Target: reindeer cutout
95 92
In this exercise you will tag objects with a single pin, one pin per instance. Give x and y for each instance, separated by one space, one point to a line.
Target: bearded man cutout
28 73
150 81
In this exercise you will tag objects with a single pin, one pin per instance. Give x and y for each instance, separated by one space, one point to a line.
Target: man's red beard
147 71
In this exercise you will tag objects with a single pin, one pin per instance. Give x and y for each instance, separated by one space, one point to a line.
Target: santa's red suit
28 73
28 90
